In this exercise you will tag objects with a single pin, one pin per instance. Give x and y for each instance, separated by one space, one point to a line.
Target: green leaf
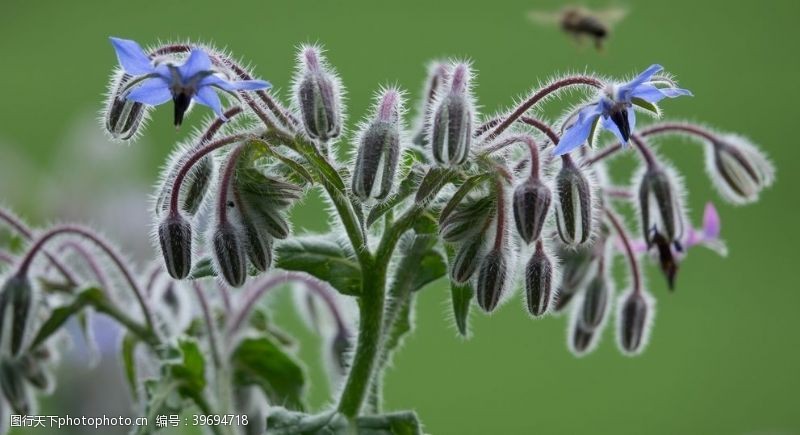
431 267
293 165
323 258
462 191
646 105
128 356
436 178
190 370
60 315
204 268
261 362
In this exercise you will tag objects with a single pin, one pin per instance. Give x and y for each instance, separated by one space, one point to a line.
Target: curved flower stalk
485 202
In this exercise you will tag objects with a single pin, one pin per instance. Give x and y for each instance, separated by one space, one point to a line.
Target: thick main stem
370 332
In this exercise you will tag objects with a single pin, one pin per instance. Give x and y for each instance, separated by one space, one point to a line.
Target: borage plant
491 204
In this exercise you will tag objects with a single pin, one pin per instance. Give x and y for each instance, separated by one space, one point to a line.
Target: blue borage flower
614 110
194 80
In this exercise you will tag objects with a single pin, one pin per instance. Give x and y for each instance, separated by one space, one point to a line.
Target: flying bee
581 22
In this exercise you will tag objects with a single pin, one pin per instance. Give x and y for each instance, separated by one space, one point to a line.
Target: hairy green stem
370 332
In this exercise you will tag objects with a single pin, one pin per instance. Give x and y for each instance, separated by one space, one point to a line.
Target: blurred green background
724 356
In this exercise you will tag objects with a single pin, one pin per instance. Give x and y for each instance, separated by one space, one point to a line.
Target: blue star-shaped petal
194 80
614 110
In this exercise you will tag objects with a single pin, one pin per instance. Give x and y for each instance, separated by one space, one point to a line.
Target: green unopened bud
491 280
660 205
538 281
573 205
175 238
229 254
13 386
379 150
531 204
33 370
318 96
16 304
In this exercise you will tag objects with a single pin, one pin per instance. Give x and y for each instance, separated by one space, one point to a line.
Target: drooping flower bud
16 304
633 321
531 204
582 341
379 149
259 247
175 238
466 260
35 373
660 205
453 119
491 280
573 204
229 254
13 387
739 170
595 303
538 281
318 95
576 265
122 117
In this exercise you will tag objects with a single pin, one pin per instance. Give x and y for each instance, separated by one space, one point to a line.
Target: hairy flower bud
739 170
576 265
538 282
466 261
491 280
16 302
633 321
452 120
175 238
660 205
34 372
318 96
595 303
531 203
123 117
581 340
379 150
13 387
229 254
573 204
258 246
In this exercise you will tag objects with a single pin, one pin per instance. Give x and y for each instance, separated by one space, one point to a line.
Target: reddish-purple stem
623 236
538 96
